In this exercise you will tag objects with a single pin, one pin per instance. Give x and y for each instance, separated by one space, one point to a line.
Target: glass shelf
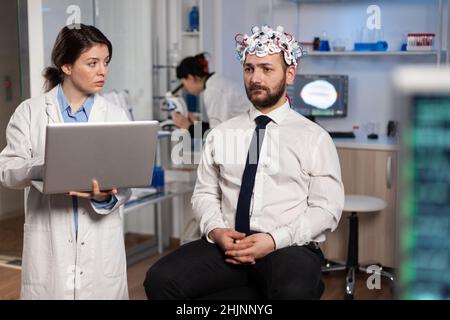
371 53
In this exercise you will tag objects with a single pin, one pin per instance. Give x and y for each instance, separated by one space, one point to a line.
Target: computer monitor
319 95
423 232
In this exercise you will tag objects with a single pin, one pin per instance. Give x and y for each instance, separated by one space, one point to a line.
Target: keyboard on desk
342 134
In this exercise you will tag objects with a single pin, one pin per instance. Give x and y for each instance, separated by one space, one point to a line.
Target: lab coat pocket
37 255
113 248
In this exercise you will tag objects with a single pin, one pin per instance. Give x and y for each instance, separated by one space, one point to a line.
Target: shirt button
82 243
81 273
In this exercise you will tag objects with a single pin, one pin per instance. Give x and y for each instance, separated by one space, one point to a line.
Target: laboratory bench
362 142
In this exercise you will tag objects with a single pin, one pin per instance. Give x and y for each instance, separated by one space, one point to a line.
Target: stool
356 204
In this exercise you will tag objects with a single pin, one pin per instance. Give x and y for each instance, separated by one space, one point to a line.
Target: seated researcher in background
262 212
222 99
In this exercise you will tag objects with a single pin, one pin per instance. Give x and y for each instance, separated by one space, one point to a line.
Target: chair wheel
348 296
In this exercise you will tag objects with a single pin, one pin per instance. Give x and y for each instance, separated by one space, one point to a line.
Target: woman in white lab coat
73 243
222 99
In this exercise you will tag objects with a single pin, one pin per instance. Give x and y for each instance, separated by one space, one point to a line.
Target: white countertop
361 142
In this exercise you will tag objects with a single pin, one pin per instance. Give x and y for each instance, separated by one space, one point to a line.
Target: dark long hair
71 42
195 66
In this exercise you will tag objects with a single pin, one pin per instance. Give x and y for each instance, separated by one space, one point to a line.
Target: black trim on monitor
302 77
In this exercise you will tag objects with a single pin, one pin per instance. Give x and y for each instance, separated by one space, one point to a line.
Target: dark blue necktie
248 178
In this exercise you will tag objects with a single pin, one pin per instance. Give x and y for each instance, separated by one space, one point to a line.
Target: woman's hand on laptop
96 194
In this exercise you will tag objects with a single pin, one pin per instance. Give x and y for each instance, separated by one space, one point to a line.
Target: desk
171 190
361 142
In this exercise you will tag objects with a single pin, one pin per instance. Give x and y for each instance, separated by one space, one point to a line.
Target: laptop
117 154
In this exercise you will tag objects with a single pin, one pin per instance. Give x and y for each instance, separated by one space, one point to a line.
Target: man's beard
271 99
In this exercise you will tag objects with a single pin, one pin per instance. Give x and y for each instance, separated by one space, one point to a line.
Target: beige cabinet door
372 173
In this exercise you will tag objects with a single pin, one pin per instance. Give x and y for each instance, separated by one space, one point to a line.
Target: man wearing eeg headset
263 215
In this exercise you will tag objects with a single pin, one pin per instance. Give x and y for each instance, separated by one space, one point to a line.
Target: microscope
173 103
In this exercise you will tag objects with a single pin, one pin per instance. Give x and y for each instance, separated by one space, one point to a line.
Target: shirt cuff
107 204
210 227
281 237
298 234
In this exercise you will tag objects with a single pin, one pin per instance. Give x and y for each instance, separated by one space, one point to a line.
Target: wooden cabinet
372 173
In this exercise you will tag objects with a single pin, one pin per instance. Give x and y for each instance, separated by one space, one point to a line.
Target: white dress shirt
223 100
298 194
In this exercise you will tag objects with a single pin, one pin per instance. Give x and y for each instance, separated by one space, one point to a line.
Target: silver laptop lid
120 154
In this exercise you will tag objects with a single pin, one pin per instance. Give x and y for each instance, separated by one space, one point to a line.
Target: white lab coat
223 100
54 264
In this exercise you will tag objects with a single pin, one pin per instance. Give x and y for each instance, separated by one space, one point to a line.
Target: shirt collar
276 115
64 104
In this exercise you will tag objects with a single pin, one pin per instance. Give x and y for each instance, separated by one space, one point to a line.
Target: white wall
36 46
238 17
370 88
55 17
127 24
213 24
